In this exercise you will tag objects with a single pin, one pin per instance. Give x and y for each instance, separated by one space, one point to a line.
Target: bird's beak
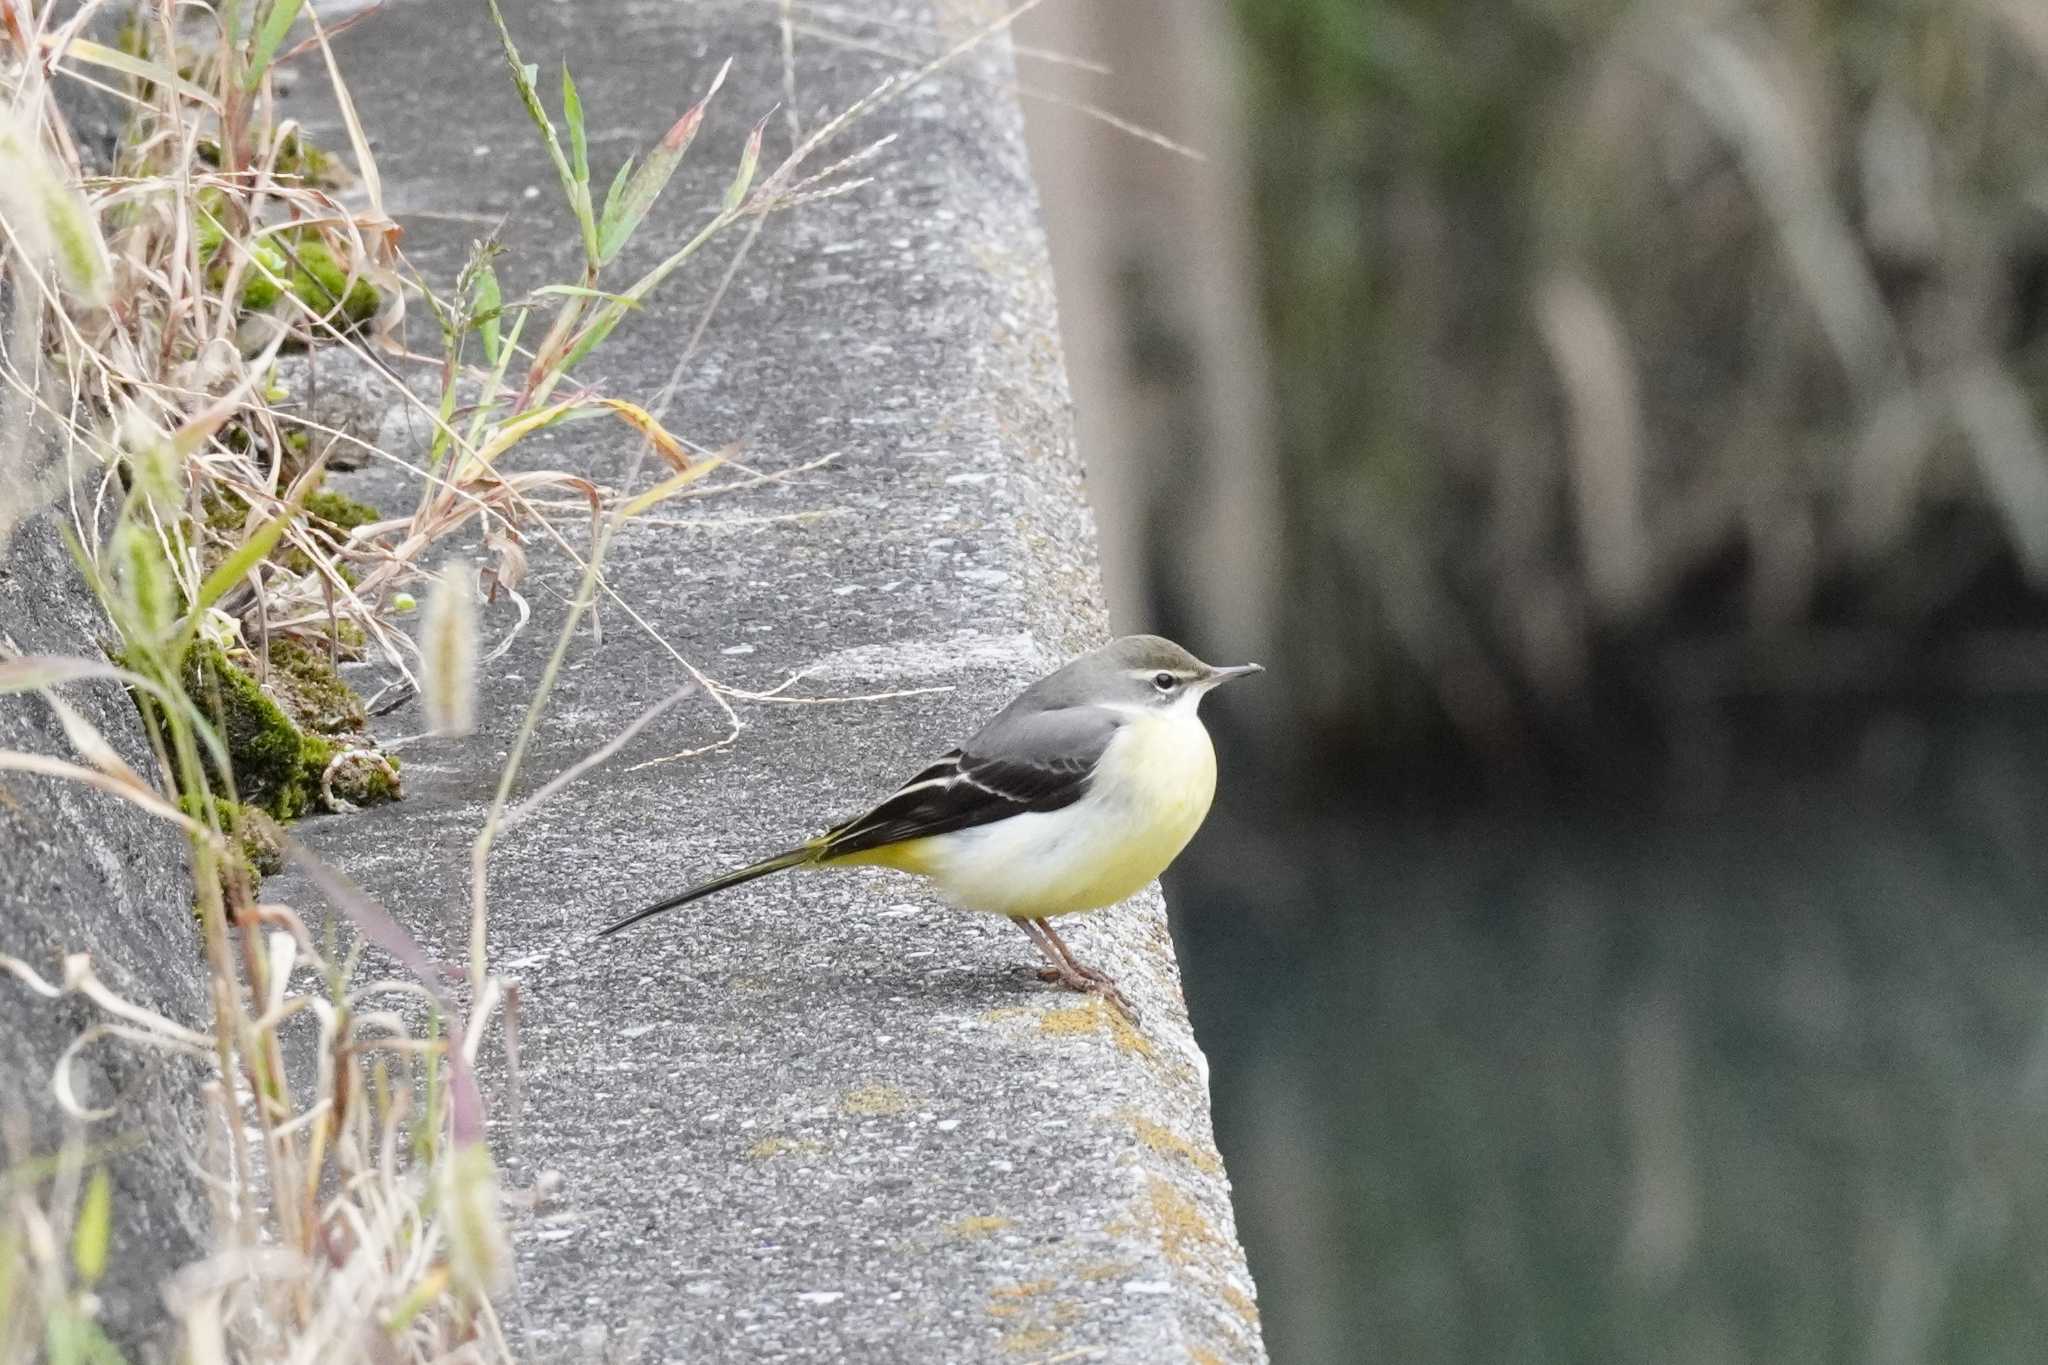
1218 676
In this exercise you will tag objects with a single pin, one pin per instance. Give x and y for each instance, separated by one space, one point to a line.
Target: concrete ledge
821 1118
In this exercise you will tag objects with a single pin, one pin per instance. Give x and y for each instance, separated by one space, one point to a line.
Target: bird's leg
1061 969
1069 972
1059 945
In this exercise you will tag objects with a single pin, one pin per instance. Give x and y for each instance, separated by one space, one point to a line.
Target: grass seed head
448 650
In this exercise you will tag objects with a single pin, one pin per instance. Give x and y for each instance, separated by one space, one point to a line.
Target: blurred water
1761 1078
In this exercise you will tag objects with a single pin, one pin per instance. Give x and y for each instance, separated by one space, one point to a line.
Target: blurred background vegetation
1621 427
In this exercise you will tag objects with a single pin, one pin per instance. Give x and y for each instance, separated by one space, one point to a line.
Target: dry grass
358 1210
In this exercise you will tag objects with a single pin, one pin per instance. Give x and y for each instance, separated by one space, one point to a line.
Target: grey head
1133 673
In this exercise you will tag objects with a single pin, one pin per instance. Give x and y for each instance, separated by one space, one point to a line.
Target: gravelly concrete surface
83 871
820 1118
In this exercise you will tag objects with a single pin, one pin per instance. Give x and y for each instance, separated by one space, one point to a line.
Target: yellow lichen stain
1096 1016
1165 1141
771 1147
1026 1290
982 1225
1240 1303
1030 1339
1202 1355
874 1100
1106 1270
1005 1310
1174 1219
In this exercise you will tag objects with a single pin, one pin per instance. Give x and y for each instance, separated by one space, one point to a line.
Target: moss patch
365 777
295 261
298 262
277 766
340 510
255 843
302 676
310 162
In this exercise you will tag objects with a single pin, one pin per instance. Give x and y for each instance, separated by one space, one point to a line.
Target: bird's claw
1088 981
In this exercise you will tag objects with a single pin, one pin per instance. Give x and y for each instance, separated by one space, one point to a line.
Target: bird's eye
1165 682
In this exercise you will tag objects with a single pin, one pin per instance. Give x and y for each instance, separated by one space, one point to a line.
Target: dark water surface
1761 1077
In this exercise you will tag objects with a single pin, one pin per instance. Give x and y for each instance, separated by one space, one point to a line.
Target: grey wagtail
1074 797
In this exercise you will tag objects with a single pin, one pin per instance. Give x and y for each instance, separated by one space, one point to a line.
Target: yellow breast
1149 795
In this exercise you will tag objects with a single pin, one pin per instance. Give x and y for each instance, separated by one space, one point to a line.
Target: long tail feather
803 853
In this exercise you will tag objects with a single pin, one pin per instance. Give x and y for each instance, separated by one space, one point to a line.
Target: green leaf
580 292
488 303
89 1235
232 569
594 334
750 161
71 1338
526 78
572 114
609 215
647 183
277 21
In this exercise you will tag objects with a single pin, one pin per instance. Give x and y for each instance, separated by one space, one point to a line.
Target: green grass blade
580 292
90 1234
232 569
610 212
572 114
525 79
277 21
652 178
579 165
750 161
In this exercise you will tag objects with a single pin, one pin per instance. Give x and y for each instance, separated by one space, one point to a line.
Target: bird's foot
1088 981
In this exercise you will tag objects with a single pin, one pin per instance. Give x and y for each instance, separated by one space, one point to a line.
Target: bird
1074 797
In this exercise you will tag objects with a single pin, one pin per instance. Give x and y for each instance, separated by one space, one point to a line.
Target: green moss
341 514
340 509
311 162
313 691
294 260
256 844
366 782
224 512
320 281
277 766
209 226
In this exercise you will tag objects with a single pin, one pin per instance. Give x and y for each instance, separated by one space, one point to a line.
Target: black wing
1019 763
